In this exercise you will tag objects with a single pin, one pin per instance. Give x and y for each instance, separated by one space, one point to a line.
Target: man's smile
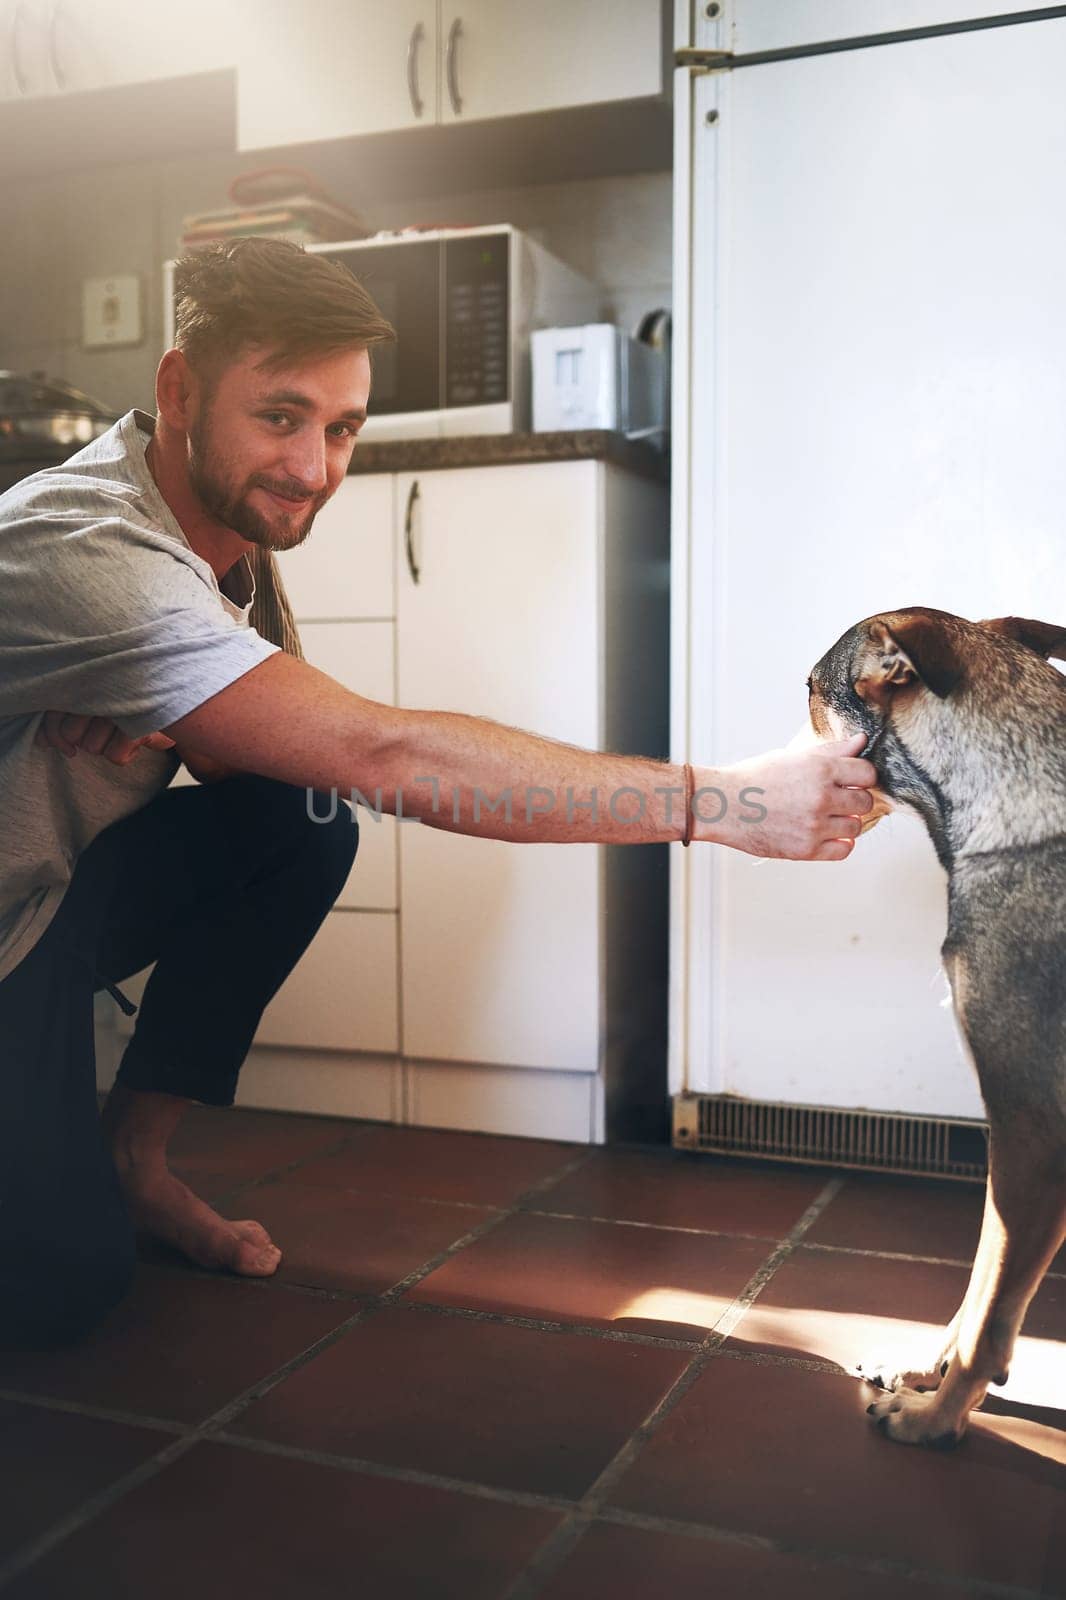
288 501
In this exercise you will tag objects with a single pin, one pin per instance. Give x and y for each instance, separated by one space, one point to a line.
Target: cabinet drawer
344 570
360 656
342 995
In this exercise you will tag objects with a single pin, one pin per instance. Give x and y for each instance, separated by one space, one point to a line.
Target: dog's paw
892 1372
911 1418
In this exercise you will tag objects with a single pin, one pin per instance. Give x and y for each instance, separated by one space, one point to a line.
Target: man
128 578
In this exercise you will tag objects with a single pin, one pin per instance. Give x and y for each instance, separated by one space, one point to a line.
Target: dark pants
223 886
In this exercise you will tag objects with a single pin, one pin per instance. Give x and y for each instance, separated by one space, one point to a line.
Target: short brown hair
270 292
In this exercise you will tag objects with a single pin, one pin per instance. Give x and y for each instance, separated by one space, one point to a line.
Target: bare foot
160 1204
136 1124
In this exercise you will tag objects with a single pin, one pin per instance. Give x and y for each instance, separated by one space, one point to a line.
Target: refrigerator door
875 418
784 24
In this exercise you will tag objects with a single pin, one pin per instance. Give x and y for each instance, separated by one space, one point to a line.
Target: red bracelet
690 786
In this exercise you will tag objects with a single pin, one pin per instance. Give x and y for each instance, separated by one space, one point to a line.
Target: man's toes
252 1251
254 1259
248 1228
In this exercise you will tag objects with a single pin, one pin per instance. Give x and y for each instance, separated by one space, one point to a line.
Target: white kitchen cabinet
505 947
504 57
327 69
344 569
371 69
25 53
510 988
52 47
100 44
342 993
501 944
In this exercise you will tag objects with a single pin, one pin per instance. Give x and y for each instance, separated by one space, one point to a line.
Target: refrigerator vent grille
876 1140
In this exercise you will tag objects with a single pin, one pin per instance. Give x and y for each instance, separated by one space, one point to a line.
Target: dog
966 724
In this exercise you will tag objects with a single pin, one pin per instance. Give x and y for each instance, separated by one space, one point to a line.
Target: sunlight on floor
1038 1371
674 1305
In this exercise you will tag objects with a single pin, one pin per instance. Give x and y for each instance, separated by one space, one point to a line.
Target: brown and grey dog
967 726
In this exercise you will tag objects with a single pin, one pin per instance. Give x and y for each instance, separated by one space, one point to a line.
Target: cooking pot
42 422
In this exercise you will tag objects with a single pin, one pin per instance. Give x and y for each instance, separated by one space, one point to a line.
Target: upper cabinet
25 49
327 69
50 47
504 57
85 80
371 68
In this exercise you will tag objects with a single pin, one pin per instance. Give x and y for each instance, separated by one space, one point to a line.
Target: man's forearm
470 775
285 720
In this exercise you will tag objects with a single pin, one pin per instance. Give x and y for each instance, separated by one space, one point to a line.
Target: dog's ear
904 650
1046 638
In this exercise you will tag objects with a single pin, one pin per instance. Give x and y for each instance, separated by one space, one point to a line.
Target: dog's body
967 725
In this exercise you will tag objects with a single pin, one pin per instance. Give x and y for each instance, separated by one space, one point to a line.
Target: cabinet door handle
408 533
452 63
53 48
21 81
418 33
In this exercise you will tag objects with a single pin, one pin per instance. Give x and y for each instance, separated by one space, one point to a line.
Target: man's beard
231 507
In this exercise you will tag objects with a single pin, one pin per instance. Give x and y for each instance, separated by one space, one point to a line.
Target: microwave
464 302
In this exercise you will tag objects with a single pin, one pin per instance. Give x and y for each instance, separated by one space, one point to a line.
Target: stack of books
304 214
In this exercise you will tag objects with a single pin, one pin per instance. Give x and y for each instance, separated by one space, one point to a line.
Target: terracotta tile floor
511 1368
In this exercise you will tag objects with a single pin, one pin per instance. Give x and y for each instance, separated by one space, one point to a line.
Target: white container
596 376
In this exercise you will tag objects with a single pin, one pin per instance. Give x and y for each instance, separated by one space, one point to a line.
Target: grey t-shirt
105 609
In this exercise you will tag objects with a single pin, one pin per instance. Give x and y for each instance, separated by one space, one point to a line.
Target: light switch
111 311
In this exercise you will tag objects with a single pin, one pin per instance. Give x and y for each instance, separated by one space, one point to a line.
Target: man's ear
175 390
1046 638
904 650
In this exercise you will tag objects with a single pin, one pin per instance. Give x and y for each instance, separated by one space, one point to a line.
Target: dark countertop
500 449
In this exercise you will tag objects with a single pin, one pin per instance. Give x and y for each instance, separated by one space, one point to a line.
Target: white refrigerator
869 413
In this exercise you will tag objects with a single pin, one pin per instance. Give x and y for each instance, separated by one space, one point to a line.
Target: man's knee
323 827
64 1295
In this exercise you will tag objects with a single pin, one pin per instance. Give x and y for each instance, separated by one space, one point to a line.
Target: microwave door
404 281
477 355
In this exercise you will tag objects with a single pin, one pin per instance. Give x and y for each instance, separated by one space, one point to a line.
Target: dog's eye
810 687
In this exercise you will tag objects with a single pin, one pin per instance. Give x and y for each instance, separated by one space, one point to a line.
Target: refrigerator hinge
700 62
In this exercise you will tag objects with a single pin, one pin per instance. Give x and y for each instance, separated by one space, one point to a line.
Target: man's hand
803 805
68 733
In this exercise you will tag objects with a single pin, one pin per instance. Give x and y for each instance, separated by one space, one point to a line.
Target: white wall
59 230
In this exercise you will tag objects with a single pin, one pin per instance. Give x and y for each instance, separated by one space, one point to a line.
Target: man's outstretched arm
284 719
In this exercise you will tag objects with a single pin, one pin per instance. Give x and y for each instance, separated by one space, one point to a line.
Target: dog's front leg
1024 1225
898 1369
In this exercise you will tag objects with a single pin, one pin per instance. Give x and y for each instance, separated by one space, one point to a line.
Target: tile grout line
546 1561
24 1557
710 1345
228 1196
582 1513
873 1566
617 1515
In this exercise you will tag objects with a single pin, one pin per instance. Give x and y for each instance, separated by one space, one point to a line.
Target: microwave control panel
476 311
